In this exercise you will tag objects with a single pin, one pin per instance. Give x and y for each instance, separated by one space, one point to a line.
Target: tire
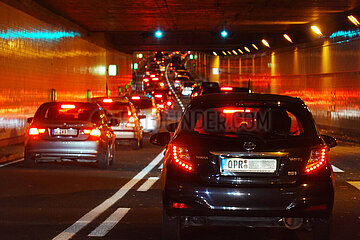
135 144
322 229
170 227
29 160
103 162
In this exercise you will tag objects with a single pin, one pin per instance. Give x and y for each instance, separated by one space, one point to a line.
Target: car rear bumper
125 134
304 200
53 150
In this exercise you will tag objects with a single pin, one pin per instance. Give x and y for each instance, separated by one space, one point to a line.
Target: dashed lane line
147 184
336 169
109 223
9 163
161 166
355 184
94 213
176 96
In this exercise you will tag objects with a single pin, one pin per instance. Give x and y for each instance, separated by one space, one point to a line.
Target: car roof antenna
249 86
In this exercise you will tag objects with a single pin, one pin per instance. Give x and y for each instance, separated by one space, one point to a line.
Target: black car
247 160
70 131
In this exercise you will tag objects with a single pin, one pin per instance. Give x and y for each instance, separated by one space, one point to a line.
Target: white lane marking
335 169
161 166
355 184
9 163
109 223
147 184
94 213
177 98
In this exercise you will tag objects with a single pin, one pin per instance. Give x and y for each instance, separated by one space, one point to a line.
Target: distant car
178 80
182 73
69 131
195 92
129 128
147 111
228 89
187 87
209 87
242 159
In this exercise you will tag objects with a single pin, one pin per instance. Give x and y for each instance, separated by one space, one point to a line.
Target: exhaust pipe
293 223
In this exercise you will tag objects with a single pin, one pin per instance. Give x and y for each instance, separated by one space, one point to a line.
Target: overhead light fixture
158 34
265 43
215 53
229 52
248 50
235 52
353 20
254 46
224 33
240 51
223 52
287 38
316 30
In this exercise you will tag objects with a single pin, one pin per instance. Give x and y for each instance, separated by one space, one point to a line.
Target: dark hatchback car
242 159
69 131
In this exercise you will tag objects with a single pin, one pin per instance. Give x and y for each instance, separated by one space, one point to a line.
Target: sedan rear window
264 122
117 109
142 103
66 113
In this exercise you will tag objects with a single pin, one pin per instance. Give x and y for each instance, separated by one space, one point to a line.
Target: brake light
196 94
107 100
169 92
160 105
152 75
181 157
155 79
235 110
146 80
226 88
147 72
36 131
92 132
317 160
158 95
135 97
162 84
179 205
169 103
177 81
67 106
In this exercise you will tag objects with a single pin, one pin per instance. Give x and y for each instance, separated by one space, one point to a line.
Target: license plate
248 165
64 132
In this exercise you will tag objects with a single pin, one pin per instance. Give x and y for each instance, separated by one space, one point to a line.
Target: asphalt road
63 201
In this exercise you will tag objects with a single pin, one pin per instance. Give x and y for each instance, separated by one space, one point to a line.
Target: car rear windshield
68 112
234 121
117 109
142 103
188 84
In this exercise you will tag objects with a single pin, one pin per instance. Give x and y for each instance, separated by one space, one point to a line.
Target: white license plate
248 165
64 132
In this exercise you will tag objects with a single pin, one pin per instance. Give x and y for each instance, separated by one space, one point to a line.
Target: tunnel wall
326 75
39 61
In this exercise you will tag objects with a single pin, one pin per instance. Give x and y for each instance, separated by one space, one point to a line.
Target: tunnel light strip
37 35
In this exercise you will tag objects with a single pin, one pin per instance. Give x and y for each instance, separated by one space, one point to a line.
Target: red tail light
67 106
181 157
155 79
147 72
179 205
226 88
196 94
169 103
92 132
160 105
158 95
162 84
130 123
107 100
317 160
146 80
36 131
135 97
152 75
177 81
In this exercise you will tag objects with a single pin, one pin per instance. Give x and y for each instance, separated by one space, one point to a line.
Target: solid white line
335 169
147 184
9 163
355 184
109 223
94 213
161 166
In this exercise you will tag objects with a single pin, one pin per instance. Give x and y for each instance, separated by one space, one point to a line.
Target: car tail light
181 157
146 80
162 84
130 123
36 131
152 75
147 73
158 95
317 160
92 132
236 110
169 103
161 74
226 88
67 106
153 111
196 94
169 93
160 105
177 81
135 97
107 100
179 205
155 79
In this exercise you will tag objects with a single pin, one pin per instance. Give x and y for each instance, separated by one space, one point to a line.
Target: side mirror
29 120
330 141
114 122
160 139
172 127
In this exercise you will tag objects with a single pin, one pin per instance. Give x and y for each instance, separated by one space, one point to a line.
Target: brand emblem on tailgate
249 146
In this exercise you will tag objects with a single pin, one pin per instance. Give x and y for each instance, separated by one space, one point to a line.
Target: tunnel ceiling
195 24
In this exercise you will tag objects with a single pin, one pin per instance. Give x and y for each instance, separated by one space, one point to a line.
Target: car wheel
29 160
170 227
135 144
322 229
103 162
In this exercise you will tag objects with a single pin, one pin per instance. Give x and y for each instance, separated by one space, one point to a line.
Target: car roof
241 96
